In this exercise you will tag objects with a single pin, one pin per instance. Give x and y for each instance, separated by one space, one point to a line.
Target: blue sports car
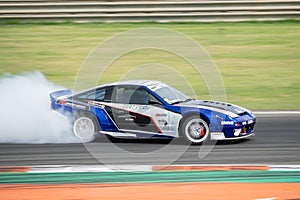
150 109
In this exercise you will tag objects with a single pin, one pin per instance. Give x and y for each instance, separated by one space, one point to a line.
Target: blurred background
255 44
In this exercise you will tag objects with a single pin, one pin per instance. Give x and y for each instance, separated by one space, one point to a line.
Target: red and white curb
144 168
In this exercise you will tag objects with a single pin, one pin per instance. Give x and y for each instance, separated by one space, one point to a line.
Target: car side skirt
134 134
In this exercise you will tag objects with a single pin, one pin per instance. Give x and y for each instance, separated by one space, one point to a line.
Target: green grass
259 62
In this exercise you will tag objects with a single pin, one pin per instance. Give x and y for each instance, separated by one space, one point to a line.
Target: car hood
217 106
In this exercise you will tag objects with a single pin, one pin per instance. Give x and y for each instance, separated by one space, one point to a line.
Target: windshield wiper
182 101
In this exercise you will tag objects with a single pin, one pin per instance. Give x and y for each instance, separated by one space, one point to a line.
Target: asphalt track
277 141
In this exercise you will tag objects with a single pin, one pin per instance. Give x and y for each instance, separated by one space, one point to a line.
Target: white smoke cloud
25 114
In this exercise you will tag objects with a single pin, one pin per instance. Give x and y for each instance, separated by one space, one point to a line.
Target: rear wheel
195 130
85 128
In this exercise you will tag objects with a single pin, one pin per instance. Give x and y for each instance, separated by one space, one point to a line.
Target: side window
100 94
132 95
141 96
122 94
97 95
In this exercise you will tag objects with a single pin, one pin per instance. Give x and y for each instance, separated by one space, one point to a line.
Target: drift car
150 109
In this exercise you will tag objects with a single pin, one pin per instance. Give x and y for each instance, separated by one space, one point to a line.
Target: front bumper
221 136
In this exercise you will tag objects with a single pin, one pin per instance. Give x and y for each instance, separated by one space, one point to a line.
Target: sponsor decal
96 104
73 105
136 107
163 124
227 122
161 115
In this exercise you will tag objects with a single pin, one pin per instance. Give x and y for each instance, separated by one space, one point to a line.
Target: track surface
277 141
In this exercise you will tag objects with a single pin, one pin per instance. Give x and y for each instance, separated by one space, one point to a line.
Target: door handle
130 118
119 111
127 117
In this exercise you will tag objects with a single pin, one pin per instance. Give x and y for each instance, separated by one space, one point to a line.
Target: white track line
138 168
276 112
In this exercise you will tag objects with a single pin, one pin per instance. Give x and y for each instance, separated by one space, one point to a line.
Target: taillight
63 102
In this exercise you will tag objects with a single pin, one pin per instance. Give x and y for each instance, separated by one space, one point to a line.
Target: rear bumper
221 136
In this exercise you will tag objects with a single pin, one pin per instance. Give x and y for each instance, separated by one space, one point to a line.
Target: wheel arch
80 113
187 115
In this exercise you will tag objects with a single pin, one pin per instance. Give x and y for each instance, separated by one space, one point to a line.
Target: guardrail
161 11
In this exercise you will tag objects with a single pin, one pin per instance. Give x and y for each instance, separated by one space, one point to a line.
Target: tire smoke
25 114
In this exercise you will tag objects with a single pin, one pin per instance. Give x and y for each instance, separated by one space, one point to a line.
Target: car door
131 109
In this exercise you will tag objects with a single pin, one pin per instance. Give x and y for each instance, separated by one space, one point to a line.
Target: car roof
152 85
148 83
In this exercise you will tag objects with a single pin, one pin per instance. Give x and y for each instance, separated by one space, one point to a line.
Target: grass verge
258 61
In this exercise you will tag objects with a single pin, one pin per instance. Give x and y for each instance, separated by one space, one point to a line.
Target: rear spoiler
54 95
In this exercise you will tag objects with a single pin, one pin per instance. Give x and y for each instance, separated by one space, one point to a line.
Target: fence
162 11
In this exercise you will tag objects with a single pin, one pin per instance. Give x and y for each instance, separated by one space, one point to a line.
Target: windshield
171 95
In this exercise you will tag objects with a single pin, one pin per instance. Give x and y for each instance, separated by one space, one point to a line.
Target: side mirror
154 102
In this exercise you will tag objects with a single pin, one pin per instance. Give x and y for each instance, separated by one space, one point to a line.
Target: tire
85 128
195 130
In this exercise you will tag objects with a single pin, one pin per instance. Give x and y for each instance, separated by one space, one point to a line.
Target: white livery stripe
225 112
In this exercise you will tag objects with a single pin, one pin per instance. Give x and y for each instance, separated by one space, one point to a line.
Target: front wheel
195 130
85 128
